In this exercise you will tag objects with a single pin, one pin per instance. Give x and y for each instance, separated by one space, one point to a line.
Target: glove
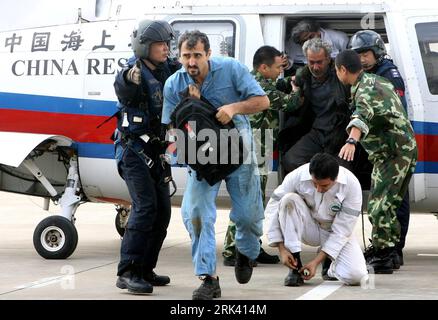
134 74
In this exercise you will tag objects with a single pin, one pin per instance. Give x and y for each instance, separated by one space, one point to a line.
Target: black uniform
141 167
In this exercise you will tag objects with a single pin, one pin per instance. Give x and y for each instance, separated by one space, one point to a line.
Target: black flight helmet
366 40
148 32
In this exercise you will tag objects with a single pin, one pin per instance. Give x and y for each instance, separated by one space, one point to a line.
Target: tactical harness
139 124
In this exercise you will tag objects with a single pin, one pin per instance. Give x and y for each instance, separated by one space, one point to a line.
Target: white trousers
297 226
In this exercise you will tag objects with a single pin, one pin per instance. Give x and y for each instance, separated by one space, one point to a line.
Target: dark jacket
387 69
300 121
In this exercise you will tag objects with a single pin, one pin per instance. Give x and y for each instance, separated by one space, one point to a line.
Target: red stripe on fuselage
83 128
80 128
427 147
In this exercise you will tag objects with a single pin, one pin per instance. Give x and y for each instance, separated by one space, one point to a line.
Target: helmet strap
155 65
379 60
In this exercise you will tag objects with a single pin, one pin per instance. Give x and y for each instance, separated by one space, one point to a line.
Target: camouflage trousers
229 241
390 180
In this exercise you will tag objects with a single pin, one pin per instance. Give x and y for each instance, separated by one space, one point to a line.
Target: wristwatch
351 141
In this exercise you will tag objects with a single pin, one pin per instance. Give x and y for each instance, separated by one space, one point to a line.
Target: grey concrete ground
90 272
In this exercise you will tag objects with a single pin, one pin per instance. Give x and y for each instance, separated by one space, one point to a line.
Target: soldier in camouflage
268 64
381 123
374 58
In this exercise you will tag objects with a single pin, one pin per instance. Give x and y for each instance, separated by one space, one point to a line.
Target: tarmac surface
90 272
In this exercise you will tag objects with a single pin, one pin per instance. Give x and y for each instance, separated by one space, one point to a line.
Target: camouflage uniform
389 139
268 122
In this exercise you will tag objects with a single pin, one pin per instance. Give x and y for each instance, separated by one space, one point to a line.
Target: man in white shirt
308 29
318 204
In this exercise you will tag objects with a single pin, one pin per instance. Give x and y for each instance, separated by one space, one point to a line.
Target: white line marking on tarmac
322 291
52 280
428 254
41 283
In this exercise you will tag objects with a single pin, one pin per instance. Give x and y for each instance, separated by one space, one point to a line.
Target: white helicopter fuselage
57 84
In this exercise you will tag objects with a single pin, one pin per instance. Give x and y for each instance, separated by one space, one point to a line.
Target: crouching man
317 204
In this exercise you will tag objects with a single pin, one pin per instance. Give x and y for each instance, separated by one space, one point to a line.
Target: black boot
381 262
231 261
369 251
400 256
133 281
397 257
264 257
243 268
155 279
294 278
208 290
325 267
395 260
399 252
229 254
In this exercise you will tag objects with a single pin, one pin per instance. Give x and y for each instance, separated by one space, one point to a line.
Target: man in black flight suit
139 154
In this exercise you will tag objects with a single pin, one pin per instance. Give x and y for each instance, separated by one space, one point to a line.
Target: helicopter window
427 34
222 35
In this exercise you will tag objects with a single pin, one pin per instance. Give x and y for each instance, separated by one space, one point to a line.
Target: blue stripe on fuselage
426 167
32 102
420 127
95 150
106 151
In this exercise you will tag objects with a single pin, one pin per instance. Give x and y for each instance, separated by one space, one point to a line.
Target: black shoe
325 267
400 257
134 283
243 268
369 252
208 290
395 260
293 279
381 262
264 257
156 280
229 261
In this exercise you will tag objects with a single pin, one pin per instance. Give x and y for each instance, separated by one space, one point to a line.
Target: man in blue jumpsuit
372 51
139 146
228 86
